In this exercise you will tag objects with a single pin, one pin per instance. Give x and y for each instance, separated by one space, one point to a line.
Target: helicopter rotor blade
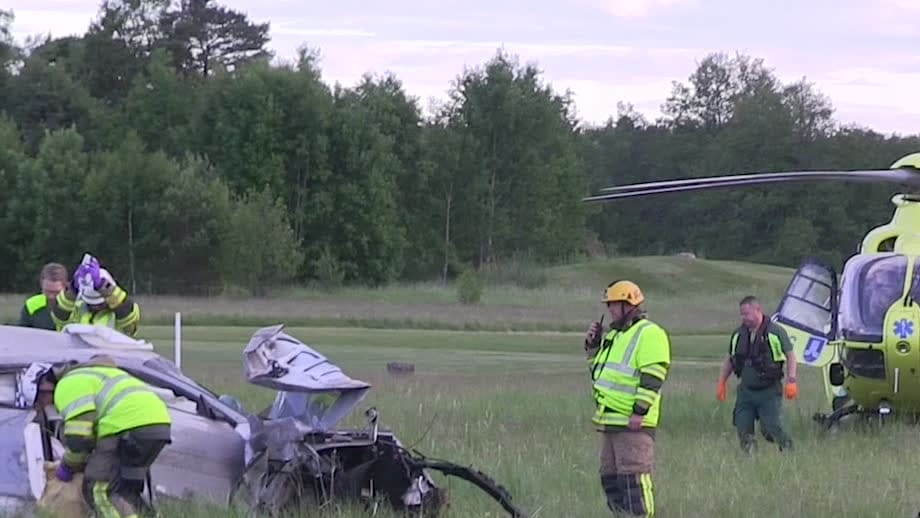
905 176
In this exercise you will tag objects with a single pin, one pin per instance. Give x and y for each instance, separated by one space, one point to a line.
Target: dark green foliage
164 141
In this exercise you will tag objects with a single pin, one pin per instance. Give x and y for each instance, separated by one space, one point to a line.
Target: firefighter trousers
765 405
116 471
627 461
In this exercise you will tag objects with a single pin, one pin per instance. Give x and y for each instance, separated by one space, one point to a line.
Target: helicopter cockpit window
808 299
873 284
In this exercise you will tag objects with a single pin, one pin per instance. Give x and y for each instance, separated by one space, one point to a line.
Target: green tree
258 250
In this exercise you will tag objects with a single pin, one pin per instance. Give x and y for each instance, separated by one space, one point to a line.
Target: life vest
764 353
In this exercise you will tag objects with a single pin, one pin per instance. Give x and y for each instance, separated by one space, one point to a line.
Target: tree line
166 142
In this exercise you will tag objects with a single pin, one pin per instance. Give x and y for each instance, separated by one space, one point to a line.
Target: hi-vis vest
615 369
82 315
121 401
748 350
36 303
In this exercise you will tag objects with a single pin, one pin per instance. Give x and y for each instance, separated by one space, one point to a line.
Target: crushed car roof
20 345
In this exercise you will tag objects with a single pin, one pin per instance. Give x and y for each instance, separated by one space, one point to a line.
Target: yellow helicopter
863 328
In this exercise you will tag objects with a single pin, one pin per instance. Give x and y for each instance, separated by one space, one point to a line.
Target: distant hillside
673 275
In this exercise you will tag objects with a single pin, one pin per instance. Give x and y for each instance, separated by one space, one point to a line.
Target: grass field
517 405
686 295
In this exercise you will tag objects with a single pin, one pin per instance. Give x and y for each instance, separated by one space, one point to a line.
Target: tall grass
685 295
522 416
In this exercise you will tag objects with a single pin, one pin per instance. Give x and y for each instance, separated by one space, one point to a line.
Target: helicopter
861 328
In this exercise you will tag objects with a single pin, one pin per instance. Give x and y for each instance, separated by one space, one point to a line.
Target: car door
808 312
205 459
22 474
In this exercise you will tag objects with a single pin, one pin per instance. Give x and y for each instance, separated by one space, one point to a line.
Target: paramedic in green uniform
36 312
758 351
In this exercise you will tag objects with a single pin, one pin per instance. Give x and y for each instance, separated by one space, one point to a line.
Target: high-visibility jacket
36 313
122 313
99 401
628 371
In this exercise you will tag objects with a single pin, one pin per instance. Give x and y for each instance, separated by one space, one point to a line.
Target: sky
862 54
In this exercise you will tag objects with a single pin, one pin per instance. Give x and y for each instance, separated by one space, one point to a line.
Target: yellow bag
63 499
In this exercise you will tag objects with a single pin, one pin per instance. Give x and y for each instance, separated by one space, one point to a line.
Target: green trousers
765 405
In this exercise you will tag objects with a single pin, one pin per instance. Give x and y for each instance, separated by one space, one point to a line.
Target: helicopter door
808 312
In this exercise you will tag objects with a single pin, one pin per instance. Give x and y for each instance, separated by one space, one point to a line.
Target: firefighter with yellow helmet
628 367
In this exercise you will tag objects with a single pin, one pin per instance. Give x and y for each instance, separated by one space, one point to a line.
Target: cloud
526 49
638 8
859 54
286 30
57 22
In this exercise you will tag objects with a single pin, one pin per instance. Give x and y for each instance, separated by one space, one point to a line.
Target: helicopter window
887 245
807 302
874 284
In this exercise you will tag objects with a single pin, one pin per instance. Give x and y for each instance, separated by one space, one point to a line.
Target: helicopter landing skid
829 420
834 418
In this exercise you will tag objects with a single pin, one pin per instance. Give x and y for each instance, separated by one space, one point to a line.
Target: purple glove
88 275
63 473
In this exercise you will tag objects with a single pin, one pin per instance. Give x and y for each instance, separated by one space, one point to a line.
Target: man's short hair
54 272
750 299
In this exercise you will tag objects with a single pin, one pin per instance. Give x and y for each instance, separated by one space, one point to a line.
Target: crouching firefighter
628 368
114 429
759 349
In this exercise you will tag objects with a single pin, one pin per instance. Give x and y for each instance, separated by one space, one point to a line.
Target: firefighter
628 368
36 311
758 350
114 429
93 297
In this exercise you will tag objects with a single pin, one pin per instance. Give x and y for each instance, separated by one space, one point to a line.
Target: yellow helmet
626 291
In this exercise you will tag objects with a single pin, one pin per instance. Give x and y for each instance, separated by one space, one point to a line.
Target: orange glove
792 390
722 391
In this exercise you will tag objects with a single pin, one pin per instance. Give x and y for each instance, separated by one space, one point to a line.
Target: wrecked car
290 455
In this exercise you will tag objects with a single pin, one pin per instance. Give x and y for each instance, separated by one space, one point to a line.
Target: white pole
177 356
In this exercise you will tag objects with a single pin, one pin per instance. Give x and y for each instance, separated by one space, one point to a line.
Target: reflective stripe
648 493
101 406
626 389
655 370
76 406
99 401
75 459
609 418
121 395
623 366
101 498
646 395
78 427
106 391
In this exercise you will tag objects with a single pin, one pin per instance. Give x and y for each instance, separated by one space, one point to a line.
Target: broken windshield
870 285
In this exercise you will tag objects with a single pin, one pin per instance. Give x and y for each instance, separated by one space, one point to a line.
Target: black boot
613 490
